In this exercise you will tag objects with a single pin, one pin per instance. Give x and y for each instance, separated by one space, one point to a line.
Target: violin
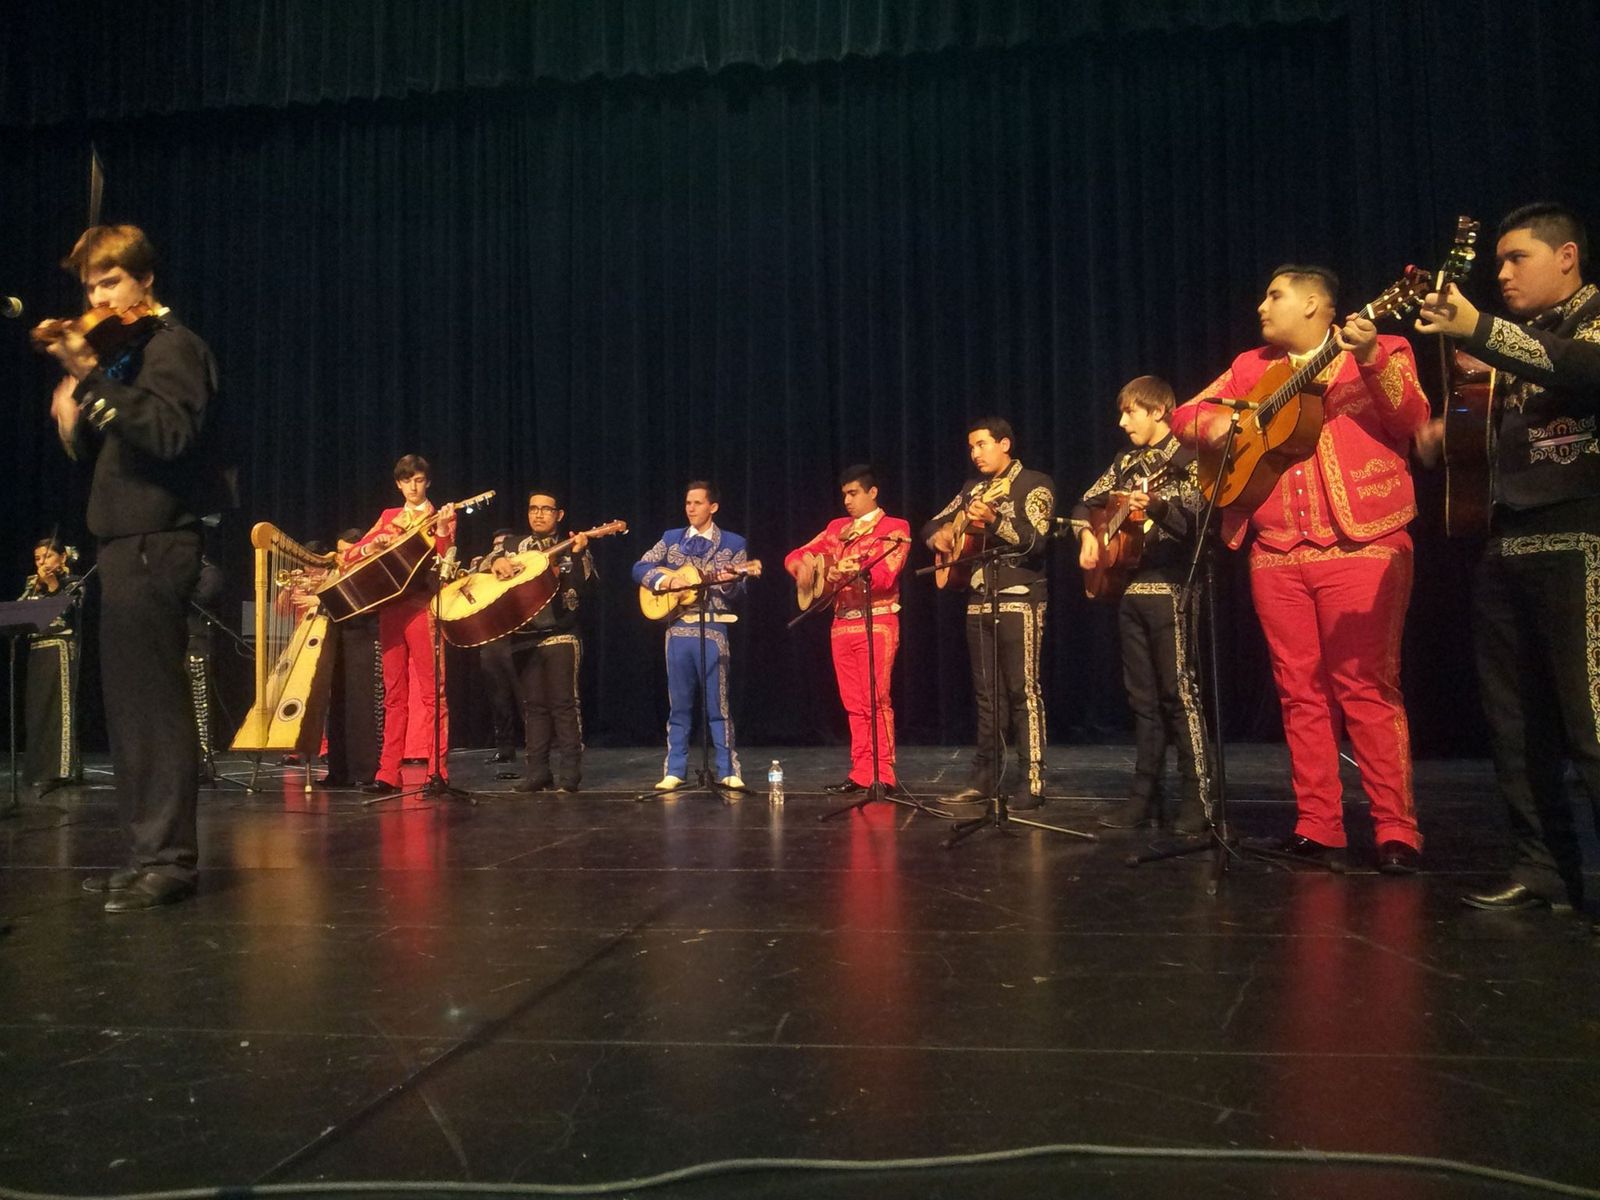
109 331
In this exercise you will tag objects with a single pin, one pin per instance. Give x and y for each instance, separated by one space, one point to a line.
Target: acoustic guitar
857 547
1469 398
481 607
389 574
680 590
1118 529
1282 415
954 571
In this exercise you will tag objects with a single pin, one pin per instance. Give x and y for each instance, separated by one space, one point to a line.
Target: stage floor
585 988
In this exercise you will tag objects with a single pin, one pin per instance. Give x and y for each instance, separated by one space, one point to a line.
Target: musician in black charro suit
548 651
144 414
1019 520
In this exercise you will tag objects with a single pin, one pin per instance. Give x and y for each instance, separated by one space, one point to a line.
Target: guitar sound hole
289 711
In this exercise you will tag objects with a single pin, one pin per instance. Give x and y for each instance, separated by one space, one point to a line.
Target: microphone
10 307
447 564
1235 405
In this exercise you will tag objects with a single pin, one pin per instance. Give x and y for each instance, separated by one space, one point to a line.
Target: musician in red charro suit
405 629
849 543
1330 568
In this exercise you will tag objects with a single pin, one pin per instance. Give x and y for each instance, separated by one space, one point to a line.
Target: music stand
19 618
998 816
706 781
876 789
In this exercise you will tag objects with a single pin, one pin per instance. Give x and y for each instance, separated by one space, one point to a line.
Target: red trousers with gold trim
855 691
405 634
1333 618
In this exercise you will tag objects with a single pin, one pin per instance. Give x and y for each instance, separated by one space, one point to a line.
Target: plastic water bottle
775 783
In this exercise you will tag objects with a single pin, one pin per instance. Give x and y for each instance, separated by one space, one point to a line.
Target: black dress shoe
117 881
149 890
966 795
845 787
1133 813
1332 857
1513 897
500 756
335 781
534 785
1024 801
379 788
1191 820
1397 858
508 775
567 789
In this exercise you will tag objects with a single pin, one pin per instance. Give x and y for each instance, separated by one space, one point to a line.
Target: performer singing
864 533
405 628
51 706
548 651
1020 520
1158 643
1536 609
714 552
144 413
1330 566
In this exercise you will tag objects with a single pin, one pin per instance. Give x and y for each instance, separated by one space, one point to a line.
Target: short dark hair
51 543
551 492
998 427
1553 224
409 465
101 247
1149 392
705 485
1313 274
351 535
861 473
319 547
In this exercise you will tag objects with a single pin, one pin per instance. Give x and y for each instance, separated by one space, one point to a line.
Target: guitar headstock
606 530
1463 251
472 502
1403 296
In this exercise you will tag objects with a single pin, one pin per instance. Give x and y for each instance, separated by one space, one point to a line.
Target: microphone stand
876 789
706 781
999 816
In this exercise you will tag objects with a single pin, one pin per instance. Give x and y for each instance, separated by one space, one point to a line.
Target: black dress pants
1536 625
547 670
505 700
1159 675
1013 712
146 581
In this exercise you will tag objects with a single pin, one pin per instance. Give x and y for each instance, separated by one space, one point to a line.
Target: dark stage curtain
763 274
109 61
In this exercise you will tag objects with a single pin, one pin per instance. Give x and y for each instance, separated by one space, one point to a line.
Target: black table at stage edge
23 618
706 781
863 575
999 816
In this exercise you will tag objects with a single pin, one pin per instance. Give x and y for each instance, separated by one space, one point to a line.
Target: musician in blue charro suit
718 555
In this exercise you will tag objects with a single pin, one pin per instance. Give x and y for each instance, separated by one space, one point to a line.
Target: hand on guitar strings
1449 313
1359 336
1088 550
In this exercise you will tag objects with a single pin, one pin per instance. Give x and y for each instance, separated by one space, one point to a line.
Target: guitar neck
1297 382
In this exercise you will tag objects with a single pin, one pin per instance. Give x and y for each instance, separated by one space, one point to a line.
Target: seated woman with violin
1135 527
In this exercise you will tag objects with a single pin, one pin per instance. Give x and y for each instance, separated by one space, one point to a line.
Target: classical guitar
390 573
680 590
1118 529
480 607
1282 414
1469 396
967 535
818 587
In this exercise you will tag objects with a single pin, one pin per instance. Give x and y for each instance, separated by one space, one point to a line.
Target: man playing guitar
844 547
405 627
1156 482
719 556
1330 567
1017 516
